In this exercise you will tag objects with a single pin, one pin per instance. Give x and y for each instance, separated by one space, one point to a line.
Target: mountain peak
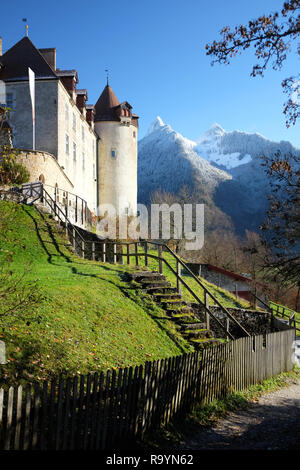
156 124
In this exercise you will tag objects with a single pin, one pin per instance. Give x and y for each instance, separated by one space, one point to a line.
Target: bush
11 172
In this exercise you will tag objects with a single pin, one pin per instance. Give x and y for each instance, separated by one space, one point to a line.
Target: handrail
163 245
291 318
195 296
66 220
57 211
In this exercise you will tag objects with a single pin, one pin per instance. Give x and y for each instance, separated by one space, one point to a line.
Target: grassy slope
89 319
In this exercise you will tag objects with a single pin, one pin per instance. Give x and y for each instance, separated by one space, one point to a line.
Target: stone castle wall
44 167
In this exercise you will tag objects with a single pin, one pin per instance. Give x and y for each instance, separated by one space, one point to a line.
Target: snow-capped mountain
229 150
168 161
226 164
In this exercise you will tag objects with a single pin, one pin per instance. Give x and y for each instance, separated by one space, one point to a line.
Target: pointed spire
104 108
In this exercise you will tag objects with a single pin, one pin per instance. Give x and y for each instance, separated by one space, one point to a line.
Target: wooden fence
101 411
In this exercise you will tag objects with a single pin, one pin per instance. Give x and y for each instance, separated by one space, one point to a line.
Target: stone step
146 274
198 334
192 326
160 290
151 278
172 303
151 283
174 310
159 297
204 343
183 318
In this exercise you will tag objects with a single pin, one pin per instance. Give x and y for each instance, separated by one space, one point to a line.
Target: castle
88 150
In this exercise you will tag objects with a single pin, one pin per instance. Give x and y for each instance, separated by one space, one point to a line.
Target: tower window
83 160
113 153
82 132
67 144
134 134
74 122
67 113
74 151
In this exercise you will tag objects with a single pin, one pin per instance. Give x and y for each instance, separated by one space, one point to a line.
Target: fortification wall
44 167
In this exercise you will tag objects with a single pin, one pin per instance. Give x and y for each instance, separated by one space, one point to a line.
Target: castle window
74 122
67 144
94 171
67 113
134 134
74 151
83 160
113 153
10 100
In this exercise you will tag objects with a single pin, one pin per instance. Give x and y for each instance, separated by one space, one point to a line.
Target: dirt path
271 423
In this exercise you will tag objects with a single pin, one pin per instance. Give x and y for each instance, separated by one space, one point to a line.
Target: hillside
88 319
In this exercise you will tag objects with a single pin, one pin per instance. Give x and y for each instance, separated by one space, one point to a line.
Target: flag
32 97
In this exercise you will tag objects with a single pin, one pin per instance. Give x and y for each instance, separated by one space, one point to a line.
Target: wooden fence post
136 253
207 317
104 252
146 253
115 253
74 238
93 251
178 272
83 249
159 252
128 254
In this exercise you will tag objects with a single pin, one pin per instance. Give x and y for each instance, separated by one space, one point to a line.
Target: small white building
94 147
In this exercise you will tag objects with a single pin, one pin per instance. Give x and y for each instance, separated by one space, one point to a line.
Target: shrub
11 172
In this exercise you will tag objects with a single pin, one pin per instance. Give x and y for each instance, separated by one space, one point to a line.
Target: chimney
49 56
0 46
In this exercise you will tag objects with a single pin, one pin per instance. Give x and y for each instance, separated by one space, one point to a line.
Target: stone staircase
167 297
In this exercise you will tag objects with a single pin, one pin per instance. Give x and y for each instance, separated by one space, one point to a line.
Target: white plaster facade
117 166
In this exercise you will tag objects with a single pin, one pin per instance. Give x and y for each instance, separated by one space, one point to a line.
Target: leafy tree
273 36
283 218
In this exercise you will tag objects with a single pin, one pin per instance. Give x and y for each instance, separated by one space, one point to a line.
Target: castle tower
117 128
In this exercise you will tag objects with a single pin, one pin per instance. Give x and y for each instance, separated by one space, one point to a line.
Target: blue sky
155 51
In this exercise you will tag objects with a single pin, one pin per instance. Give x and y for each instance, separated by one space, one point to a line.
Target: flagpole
31 75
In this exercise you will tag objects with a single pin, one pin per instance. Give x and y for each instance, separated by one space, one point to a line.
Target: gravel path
273 422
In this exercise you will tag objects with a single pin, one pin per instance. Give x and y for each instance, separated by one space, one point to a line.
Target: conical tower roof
106 106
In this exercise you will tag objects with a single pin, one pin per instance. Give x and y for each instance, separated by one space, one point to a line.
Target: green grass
225 297
169 436
90 317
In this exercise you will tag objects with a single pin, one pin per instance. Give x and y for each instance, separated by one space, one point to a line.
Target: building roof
236 276
18 58
105 108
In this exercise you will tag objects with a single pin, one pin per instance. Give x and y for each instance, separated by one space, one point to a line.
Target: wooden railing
286 314
112 250
109 409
